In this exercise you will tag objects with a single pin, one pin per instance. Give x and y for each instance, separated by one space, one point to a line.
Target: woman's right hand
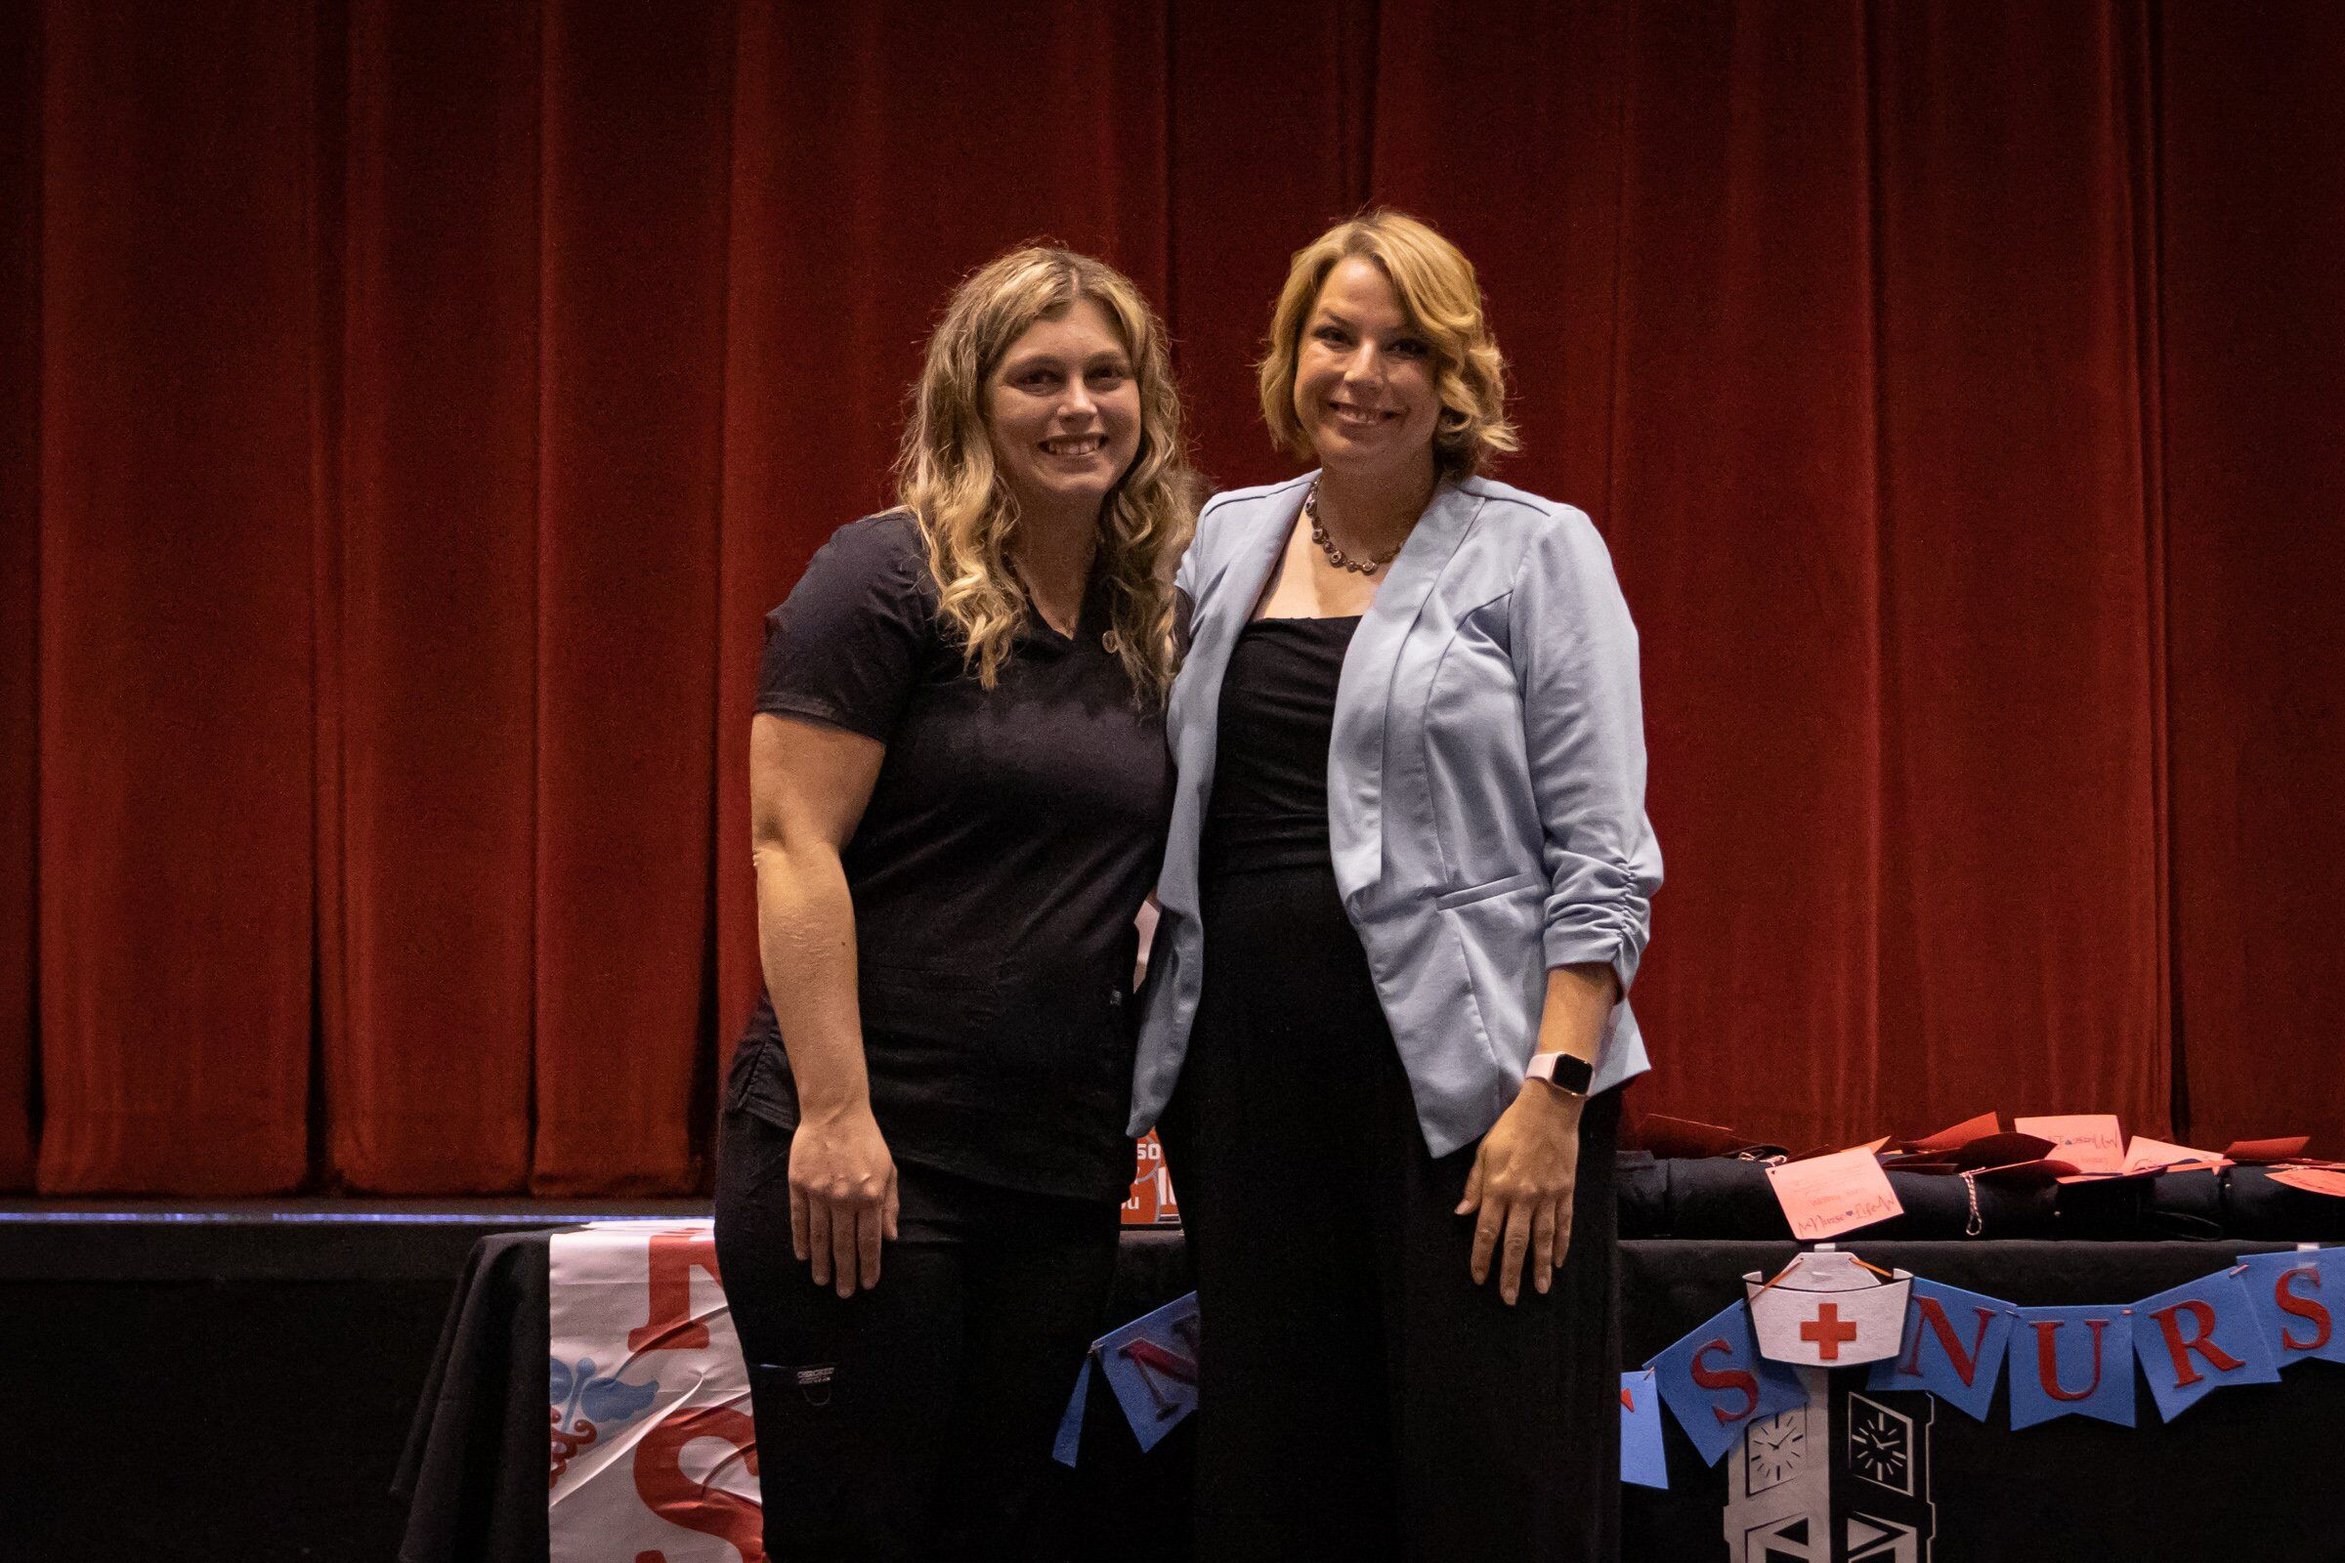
842 1197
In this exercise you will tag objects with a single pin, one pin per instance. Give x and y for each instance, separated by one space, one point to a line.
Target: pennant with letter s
2297 1299
1716 1383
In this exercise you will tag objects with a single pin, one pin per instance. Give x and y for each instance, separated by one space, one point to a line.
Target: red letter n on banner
1965 1361
1735 1379
670 1325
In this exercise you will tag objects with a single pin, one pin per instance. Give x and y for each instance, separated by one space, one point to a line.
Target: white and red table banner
653 1455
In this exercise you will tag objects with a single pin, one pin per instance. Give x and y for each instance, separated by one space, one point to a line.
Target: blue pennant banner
1151 1364
2298 1299
1954 1344
2198 1338
1070 1436
1716 1383
1643 1460
2072 1361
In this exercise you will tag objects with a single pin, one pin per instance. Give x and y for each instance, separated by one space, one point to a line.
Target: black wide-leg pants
1360 1398
913 1420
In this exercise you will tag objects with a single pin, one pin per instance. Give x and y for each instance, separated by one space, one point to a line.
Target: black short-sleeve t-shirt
1011 836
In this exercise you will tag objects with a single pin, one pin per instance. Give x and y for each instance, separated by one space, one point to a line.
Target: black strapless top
1269 805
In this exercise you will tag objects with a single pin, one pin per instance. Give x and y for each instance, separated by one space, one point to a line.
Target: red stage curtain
20 570
179 496
408 412
2253 320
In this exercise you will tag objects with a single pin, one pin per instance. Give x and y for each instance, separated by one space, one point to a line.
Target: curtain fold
176 494
408 412
637 121
429 1075
2253 219
20 572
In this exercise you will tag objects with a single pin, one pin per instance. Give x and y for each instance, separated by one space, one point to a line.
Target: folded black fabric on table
1726 1198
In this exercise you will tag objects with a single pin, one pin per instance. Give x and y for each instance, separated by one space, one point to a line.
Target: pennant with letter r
2072 1361
2298 1298
2197 1338
1716 1383
1954 1344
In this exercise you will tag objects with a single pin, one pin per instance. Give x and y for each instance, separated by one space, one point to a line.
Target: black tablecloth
2247 1473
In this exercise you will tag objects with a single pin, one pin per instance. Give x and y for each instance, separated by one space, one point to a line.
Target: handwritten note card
2089 1142
1827 1195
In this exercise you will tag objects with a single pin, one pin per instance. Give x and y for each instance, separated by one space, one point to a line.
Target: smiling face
1364 378
1063 411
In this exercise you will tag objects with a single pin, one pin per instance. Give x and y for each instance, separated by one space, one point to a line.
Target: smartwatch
1570 1075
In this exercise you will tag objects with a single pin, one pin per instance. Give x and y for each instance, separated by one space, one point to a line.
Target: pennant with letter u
2072 1360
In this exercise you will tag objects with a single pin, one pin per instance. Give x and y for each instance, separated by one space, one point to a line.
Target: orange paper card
1960 1135
2089 1142
2144 1154
2313 1180
1827 1195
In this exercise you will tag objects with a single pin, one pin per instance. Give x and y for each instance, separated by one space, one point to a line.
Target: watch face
1775 1450
1573 1074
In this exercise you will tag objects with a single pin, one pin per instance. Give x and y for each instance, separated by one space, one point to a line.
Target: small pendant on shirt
1111 643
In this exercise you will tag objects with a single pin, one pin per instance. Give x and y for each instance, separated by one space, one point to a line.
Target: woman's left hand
1521 1184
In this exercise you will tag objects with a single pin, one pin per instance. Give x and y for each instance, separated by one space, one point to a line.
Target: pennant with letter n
1954 1345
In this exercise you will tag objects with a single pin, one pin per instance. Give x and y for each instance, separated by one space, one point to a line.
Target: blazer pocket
1483 892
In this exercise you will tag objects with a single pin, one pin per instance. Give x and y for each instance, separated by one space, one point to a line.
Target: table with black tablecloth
2247 1473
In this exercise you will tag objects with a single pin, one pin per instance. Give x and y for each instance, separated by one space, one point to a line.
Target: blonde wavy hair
1442 300
945 473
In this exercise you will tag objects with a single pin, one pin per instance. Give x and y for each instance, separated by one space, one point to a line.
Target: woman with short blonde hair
958 790
1409 828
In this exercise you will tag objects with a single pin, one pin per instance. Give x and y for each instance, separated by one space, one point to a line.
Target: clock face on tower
1776 1449
1880 1444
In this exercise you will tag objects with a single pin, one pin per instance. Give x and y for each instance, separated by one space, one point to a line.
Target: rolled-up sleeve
1583 723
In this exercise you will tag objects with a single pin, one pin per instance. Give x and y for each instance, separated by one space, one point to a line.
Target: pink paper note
1826 1195
2313 1180
2143 1154
2089 1142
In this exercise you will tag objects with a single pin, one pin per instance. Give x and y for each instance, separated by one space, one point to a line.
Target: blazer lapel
1356 753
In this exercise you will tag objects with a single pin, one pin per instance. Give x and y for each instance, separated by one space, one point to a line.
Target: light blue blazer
1485 789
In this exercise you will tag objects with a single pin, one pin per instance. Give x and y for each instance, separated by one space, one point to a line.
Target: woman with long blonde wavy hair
958 795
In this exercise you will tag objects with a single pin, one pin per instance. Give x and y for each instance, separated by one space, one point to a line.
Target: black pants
1360 1397
929 1435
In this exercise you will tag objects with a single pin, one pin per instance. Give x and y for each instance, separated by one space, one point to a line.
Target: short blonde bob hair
1439 295
945 473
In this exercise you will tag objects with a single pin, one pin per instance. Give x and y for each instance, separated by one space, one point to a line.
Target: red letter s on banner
678 1499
